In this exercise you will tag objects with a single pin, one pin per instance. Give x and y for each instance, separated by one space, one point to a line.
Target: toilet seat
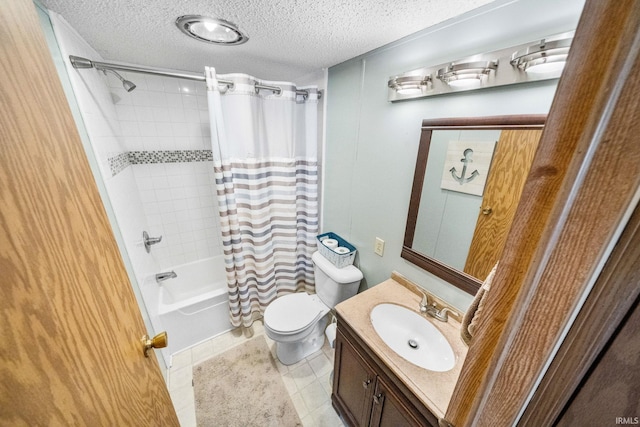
293 313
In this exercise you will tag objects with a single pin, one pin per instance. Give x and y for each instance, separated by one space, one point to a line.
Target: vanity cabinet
365 391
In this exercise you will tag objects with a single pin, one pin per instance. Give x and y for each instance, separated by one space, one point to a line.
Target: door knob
486 211
159 341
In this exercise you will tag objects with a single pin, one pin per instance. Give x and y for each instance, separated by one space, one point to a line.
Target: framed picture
466 166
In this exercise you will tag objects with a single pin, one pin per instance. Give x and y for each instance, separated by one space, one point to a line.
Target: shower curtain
266 175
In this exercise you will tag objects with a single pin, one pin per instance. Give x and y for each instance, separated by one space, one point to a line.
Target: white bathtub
193 307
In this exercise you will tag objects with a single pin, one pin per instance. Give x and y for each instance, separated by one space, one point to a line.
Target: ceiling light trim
197 27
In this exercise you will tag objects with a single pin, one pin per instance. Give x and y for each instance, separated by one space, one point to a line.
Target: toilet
296 322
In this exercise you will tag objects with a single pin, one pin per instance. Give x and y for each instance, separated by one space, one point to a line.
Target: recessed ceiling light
211 30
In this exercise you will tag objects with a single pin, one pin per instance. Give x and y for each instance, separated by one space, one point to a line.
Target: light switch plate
379 246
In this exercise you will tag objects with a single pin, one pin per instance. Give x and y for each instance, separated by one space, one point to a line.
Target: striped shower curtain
266 171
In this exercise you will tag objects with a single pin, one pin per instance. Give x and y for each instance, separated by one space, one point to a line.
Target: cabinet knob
365 383
378 398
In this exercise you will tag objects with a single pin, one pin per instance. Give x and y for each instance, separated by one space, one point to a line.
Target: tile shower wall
102 125
103 133
165 131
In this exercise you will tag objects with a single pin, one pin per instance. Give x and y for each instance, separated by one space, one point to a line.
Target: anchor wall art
467 165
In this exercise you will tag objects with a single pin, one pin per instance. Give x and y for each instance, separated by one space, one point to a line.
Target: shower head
80 63
127 84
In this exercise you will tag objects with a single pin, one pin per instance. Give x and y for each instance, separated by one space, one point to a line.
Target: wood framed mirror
468 179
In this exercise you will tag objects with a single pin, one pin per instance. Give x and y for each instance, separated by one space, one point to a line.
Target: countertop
434 389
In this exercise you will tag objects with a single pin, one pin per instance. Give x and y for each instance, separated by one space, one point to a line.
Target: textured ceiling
287 39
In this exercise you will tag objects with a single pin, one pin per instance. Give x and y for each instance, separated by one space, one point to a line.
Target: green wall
371 144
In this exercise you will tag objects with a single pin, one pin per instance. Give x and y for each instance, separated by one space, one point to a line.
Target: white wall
371 144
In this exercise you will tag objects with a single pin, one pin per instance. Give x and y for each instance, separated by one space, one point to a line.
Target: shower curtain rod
79 62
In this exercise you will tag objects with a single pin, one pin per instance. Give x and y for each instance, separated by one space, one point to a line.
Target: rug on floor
242 387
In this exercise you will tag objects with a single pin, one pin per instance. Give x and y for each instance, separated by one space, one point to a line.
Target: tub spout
161 277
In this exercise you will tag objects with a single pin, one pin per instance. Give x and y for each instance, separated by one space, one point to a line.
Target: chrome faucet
161 277
431 309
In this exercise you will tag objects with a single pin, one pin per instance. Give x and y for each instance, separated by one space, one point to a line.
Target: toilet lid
293 312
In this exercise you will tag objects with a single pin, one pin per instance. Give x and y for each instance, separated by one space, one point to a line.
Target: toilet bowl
296 322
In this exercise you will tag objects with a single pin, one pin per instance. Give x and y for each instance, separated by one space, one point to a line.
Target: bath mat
242 387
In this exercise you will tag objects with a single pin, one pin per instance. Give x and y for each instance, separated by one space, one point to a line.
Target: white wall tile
171 85
173 100
188 86
161 114
144 114
129 128
176 115
154 83
203 103
148 129
126 112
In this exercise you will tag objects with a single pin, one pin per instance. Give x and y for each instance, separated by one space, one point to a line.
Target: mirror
469 176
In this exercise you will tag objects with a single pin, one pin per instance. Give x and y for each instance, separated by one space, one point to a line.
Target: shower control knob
148 241
159 341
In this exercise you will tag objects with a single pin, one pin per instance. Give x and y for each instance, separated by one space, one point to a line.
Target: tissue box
339 260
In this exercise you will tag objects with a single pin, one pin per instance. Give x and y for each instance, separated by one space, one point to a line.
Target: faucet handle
424 303
443 314
148 241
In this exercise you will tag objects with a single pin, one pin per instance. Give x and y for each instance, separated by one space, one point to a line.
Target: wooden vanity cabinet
366 393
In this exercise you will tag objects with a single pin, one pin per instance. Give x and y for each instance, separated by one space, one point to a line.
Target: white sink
413 337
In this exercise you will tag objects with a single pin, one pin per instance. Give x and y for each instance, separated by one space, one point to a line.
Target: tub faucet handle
148 241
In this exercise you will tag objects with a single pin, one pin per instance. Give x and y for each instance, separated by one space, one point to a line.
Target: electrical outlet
379 246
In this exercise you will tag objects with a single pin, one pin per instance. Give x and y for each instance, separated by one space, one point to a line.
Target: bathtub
193 307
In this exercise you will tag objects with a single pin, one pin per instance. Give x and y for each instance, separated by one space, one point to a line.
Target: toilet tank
333 284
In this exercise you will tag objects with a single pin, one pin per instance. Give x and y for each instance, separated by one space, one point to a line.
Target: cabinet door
388 409
353 384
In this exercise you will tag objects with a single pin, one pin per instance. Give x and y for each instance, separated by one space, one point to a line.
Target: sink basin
412 337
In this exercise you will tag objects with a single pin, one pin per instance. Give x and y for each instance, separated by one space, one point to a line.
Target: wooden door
509 170
70 327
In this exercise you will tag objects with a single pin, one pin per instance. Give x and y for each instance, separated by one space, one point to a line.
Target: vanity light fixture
546 56
466 75
211 30
532 61
410 85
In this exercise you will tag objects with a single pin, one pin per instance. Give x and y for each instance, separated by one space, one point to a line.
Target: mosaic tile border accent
123 160
119 163
172 156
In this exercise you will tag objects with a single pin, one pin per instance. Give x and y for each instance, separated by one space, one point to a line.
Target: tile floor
308 381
